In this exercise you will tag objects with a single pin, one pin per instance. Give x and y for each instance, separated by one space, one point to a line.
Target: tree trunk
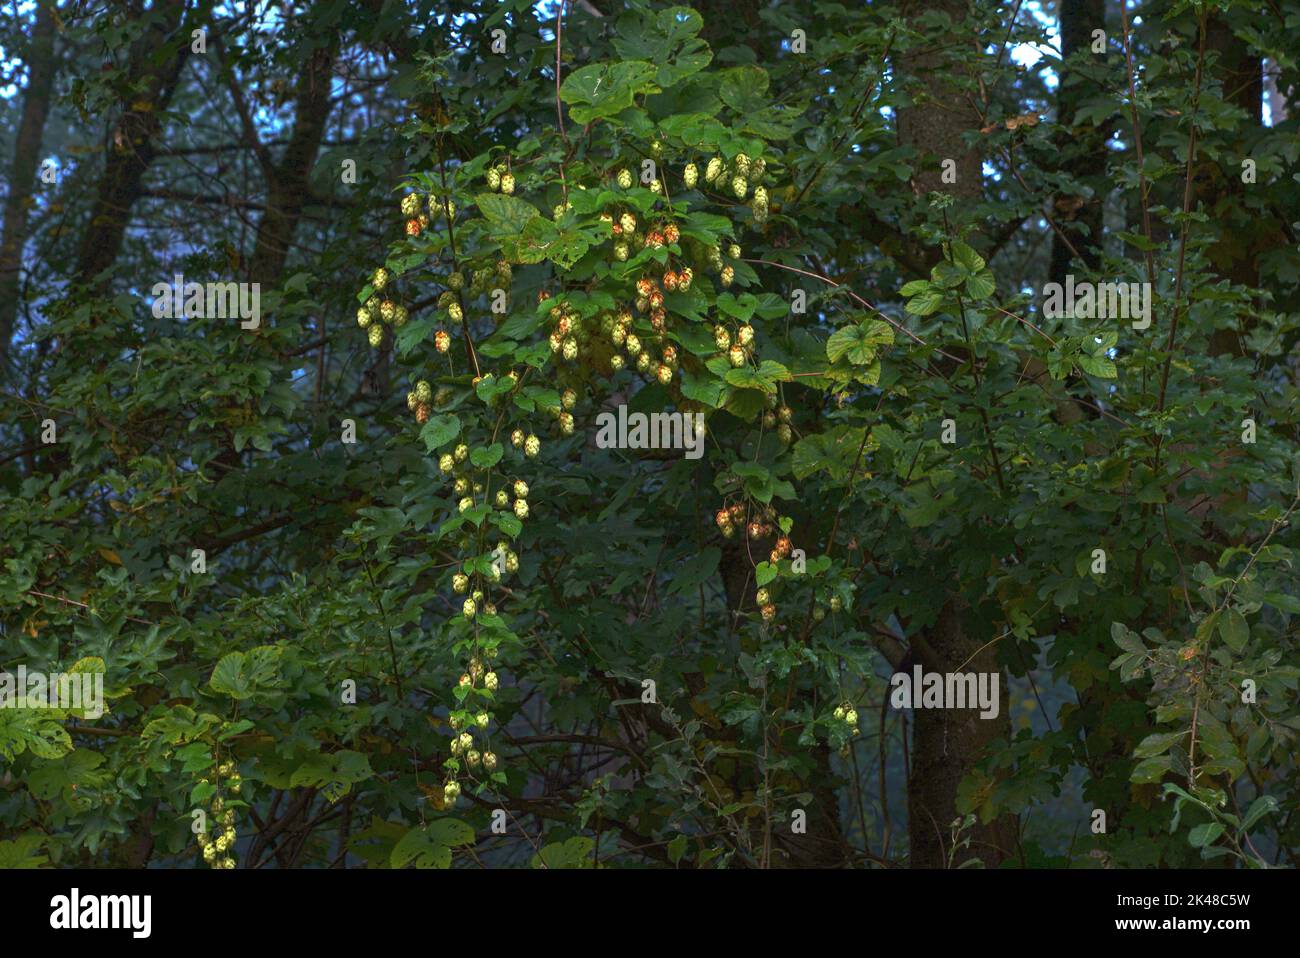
947 744
134 139
289 185
1086 160
27 148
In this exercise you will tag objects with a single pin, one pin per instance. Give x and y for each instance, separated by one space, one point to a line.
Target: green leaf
764 573
858 343
1157 743
742 306
981 286
333 773
1098 365
419 848
668 40
1233 628
574 853
505 214
241 675
676 849
697 569
449 831
1151 770
439 431
485 457
925 303
966 257
1264 805
703 387
601 90
1203 835
22 852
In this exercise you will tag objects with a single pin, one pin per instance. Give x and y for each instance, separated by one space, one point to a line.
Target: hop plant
490 681
379 279
507 183
521 489
521 509
713 170
469 607
460 582
728 275
376 335
625 178
387 310
690 175
739 186
493 179
363 317
745 335
441 341
455 312
532 446
737 356
517 438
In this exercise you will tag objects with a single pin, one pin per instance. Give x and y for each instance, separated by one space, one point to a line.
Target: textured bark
941 113
22 175
154 67
946 745
289 186
1078 19
1236 256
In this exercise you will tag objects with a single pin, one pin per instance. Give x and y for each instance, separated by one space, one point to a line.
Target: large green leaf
602 90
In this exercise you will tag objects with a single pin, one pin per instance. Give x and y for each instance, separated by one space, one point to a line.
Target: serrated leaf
485 457
925 303
439 431
601 90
